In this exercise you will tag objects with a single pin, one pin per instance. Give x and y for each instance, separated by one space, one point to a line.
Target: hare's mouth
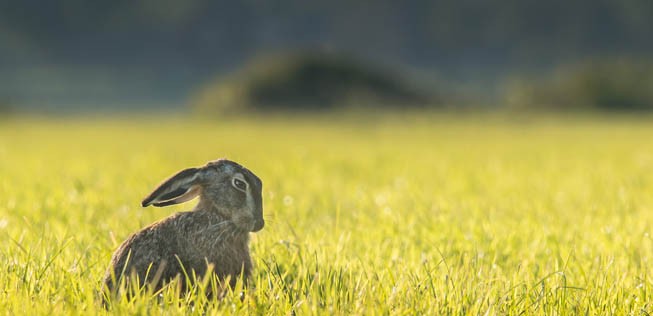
258 225
249 224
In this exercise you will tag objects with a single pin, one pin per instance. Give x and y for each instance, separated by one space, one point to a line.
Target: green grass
422 214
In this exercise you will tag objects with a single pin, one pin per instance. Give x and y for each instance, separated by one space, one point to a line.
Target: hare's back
152 248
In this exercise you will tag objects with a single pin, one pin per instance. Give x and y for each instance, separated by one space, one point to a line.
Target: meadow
415 214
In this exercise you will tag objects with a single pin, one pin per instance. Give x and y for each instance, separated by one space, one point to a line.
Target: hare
215 232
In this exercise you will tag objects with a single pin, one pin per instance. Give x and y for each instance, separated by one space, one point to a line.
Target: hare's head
222 185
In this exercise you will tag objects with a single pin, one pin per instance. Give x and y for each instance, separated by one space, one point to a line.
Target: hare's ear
182 187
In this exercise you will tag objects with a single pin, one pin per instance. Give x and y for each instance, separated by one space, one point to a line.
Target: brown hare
215 232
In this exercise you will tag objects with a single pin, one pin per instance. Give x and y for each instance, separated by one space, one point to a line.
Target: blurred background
201 56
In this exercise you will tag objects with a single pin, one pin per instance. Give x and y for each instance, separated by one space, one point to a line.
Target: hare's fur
215 233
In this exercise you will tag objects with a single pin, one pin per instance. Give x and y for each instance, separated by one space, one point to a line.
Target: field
419 214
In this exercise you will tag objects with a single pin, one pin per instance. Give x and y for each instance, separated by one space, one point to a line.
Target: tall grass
413 215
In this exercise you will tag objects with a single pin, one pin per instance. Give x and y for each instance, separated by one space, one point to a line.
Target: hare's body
192 239
215 233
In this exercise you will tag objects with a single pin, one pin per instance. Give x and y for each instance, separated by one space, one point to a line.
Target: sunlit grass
419 214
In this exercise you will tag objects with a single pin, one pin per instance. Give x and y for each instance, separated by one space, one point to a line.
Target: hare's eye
240 184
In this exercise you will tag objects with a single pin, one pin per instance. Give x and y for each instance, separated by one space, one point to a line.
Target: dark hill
309 82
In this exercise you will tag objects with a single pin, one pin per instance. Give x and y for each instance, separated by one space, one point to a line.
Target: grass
410 215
